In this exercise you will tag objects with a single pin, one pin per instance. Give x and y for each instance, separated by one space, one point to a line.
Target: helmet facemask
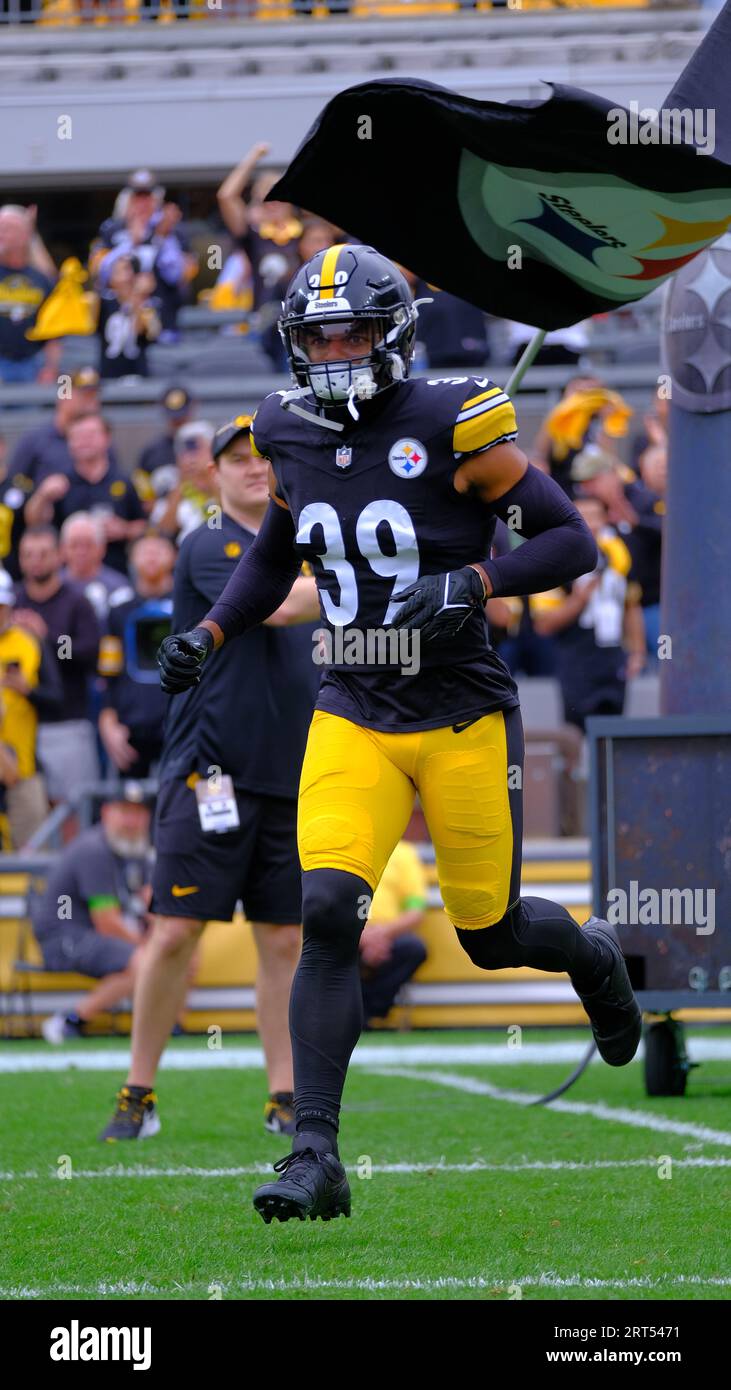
382 344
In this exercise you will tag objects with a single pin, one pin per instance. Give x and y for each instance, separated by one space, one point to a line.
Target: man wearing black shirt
94 485
59 614
248 723
103 878
45 449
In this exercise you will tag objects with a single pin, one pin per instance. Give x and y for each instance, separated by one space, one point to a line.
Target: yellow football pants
357 793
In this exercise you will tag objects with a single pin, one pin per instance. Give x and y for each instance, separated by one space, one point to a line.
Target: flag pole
524 361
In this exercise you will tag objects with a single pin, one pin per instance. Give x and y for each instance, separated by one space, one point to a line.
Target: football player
390 487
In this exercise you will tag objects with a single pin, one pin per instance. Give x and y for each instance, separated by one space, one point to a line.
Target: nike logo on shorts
460 728
179 892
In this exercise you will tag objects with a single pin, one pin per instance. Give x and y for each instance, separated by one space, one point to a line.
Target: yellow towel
569 420
68 308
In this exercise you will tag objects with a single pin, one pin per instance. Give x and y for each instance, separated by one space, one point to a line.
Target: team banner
544 212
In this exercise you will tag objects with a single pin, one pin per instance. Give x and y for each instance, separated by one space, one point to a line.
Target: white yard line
132 1288
621 1115
202 1058
555 1165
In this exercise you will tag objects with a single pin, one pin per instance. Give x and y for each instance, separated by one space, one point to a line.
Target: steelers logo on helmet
407 458
348 325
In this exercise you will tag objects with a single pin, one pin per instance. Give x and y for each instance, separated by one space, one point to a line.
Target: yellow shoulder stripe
484 396
484 429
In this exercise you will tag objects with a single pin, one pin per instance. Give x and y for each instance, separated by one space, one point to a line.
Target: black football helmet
354 293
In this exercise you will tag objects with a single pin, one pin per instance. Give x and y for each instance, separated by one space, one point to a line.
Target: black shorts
86 952
203 875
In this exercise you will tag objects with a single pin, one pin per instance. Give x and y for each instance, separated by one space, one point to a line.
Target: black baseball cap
177 400
227 433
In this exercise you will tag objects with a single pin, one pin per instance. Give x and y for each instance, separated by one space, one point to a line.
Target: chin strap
361 388
288 403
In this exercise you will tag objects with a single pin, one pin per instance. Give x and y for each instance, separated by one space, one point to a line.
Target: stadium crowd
88 556
101 12
144 263
87 546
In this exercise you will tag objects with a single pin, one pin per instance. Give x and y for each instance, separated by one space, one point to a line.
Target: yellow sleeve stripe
489 427
484 396
495 400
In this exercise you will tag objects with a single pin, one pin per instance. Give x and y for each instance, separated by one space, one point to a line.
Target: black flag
544 212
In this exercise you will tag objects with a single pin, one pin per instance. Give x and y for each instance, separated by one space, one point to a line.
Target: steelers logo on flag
407 458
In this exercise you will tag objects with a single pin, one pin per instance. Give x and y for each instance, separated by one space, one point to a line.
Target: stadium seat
540 702
643 698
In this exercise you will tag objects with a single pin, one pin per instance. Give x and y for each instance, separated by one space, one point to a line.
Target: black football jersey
374 508
252 709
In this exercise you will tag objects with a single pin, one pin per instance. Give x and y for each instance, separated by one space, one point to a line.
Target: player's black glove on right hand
180 658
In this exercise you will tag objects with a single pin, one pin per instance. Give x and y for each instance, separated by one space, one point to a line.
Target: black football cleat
312 1183
614 1014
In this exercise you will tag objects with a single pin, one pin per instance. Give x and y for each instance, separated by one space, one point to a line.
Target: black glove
180 658
439 604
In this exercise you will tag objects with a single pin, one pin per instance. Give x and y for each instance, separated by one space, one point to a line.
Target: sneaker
312 1183
135 1116
58 1029
614 1014
279 1113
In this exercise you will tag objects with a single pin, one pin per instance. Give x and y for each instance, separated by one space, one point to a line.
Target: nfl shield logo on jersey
343 456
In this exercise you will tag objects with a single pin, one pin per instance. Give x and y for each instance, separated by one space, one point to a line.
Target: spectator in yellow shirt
390 949
20 662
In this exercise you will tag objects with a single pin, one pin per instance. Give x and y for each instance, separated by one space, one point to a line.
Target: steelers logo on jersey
407 458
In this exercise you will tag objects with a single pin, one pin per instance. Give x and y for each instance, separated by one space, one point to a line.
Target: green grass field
471 1194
